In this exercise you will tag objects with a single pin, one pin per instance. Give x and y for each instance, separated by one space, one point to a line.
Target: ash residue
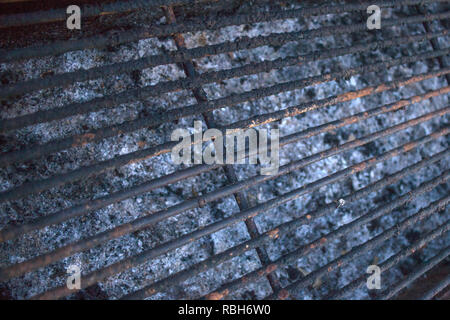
51 201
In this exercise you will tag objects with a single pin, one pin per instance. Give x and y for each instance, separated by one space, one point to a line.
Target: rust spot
355 94
274 233
217 295
283 294
141 144
350 120
271 268
201 202
84 139
359 167
409 146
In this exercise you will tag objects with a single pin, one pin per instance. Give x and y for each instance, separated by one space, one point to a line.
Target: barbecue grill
87 179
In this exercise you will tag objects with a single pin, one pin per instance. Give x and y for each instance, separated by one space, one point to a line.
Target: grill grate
270 268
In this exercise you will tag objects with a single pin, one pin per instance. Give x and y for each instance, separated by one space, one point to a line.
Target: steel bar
152 219
434 44
129 262
240 197
416 274
22 19
335 234
142 93
431 293
358 250
60 179
198 24
343 230
386 265
92 205
267 236
35 151
64 79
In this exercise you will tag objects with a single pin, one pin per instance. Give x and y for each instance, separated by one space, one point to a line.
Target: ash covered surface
48 202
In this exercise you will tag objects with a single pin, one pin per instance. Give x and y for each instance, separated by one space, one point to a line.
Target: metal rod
92 205
152 120
192 25
65 79
53 15
416 274
431 293
137 94
240 197
226 289
358 250
387 264
129 262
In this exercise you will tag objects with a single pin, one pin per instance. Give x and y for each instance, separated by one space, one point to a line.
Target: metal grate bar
430 294
320 242
240 197
58 217
269 235
60 179
189 54
127 263
361 249
392 261
196 24
23 19
416 274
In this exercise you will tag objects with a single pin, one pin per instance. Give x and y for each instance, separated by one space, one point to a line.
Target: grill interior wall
33 206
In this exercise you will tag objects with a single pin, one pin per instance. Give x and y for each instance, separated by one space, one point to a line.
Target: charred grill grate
26 222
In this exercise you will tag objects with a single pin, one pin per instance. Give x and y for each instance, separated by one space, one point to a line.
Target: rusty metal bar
430 294
320 242
358 250
23 19
416 274
57 180
149 220
129 262
32 152
64 79
142 93
434 43
269 235
196 24
240 197
387 264
92 205
60 179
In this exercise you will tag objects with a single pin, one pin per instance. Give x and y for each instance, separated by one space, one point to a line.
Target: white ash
56 199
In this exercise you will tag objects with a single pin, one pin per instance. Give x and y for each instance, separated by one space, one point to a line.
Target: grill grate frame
204 107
